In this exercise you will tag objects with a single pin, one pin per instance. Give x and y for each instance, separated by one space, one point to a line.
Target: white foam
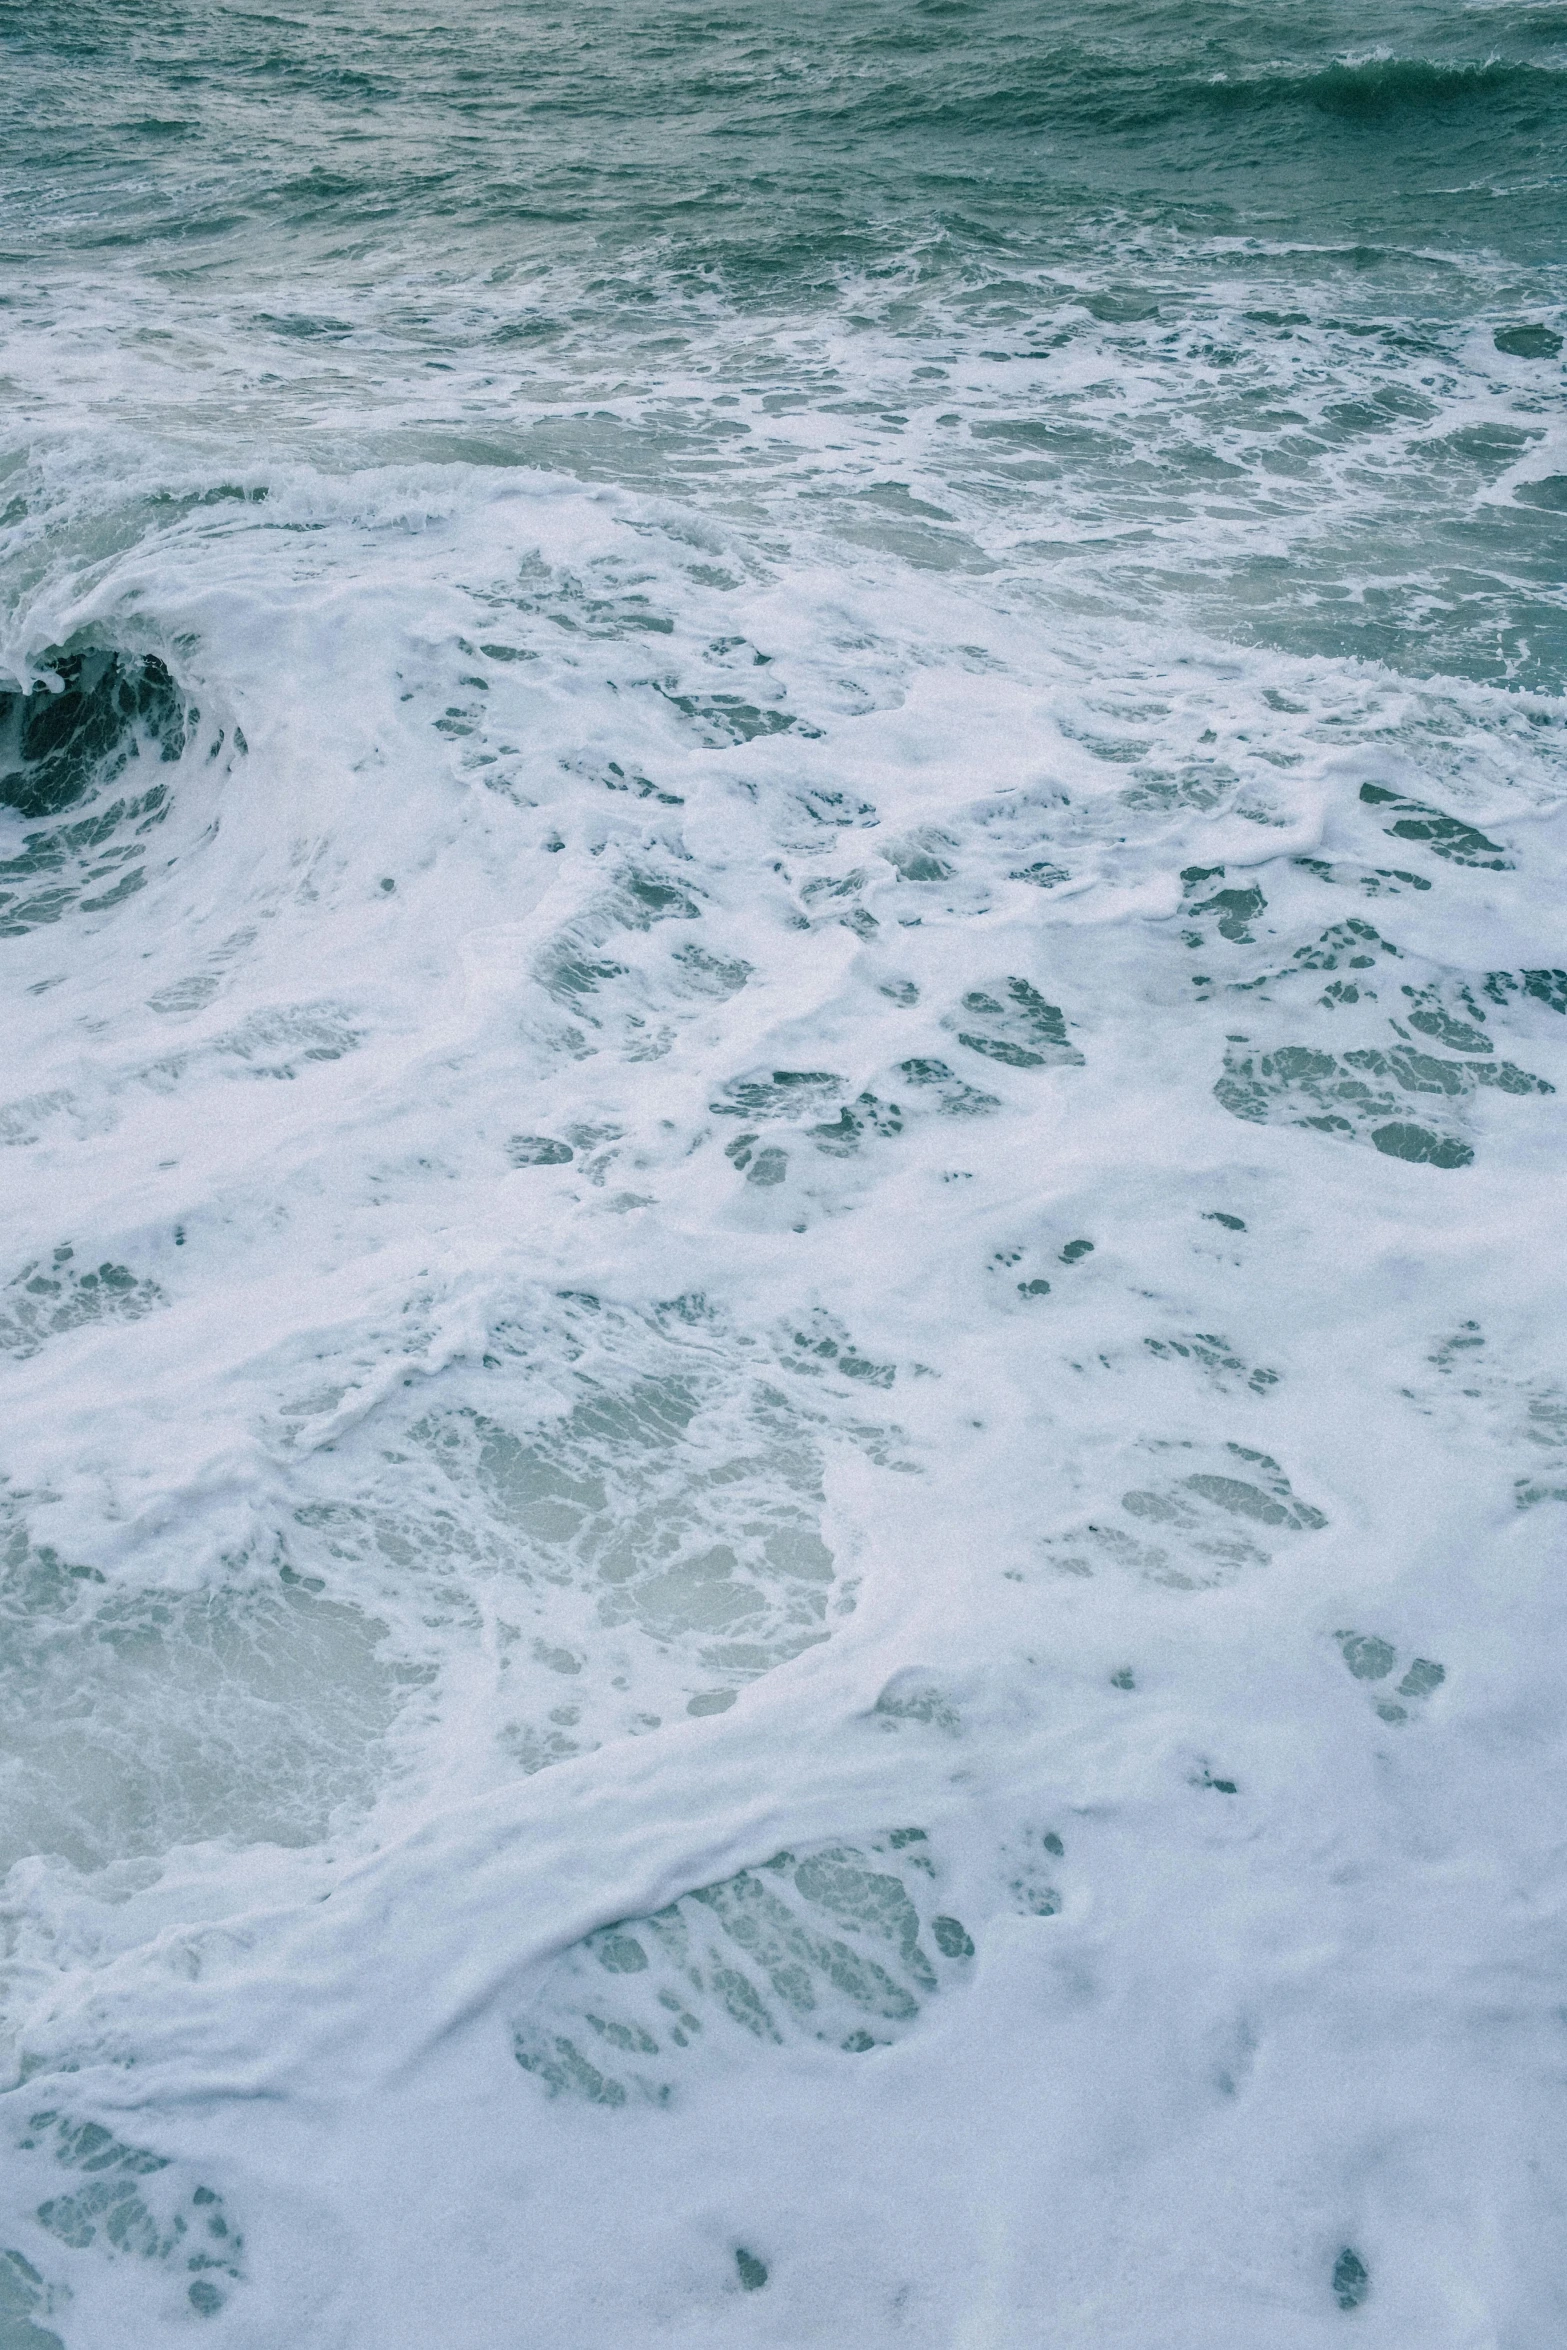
614 1397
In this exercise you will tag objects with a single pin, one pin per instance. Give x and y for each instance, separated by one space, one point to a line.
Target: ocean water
783 1423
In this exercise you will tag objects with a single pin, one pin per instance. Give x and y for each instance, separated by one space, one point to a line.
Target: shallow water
783 1419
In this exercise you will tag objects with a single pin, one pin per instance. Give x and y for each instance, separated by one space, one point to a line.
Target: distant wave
1105 94
1378 86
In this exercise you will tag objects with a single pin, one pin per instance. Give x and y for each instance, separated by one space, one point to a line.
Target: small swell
1074 89
1379 87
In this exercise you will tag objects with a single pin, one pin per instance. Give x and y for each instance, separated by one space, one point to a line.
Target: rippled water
783 1417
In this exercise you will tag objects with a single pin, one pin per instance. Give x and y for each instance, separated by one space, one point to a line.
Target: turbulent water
782 1415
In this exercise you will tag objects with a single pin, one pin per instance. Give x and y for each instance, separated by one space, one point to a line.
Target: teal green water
1298 279
774 147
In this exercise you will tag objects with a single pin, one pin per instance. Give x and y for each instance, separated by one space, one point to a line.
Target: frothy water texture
783 1430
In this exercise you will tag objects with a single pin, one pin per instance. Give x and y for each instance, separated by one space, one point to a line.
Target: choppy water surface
783 1426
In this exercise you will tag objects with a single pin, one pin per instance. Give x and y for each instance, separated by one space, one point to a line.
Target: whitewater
783 1421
